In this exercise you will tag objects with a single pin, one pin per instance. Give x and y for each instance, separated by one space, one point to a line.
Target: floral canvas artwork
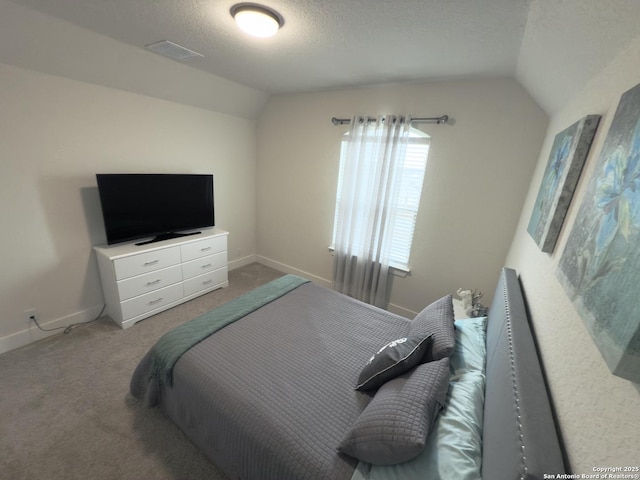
568 154
600 266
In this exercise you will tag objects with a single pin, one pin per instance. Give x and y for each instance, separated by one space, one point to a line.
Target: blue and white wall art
600 266
568 154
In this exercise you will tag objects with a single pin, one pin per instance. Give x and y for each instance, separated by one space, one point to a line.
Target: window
412 177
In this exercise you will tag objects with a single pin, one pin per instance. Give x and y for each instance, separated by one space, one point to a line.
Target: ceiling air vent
173 50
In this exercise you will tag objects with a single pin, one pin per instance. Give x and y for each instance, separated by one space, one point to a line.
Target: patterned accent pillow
393 359
394 426
438 320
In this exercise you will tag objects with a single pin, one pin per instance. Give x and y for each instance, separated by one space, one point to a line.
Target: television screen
136 206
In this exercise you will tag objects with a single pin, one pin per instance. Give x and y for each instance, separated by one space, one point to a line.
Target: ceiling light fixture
257 20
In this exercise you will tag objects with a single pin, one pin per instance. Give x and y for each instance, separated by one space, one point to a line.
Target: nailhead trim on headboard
516 396
520 437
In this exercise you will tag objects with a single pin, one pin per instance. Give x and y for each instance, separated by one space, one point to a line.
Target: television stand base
167 236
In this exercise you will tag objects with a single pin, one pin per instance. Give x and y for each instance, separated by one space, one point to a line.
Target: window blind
411 183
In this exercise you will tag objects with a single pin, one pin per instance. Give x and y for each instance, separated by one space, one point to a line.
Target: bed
295 381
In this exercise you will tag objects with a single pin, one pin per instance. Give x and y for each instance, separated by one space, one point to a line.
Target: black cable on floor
68 328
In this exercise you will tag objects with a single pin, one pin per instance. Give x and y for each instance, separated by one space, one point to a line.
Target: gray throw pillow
394 358
394 426
438 320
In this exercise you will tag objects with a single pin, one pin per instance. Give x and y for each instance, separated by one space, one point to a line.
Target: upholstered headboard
520 440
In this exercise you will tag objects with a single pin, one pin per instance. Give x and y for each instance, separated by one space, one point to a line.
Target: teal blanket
172 345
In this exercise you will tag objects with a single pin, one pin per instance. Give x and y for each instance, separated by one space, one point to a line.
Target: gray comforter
271 395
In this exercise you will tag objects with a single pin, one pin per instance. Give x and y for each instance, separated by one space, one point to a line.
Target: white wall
55 134
599 413
50 45
567 42
478 172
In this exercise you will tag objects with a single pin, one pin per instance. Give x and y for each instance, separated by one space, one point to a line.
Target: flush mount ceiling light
257 20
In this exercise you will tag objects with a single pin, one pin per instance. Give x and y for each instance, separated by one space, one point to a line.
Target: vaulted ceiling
551 47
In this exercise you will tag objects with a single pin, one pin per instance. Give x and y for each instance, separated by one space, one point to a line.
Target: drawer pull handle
206 282
205 249
153 302
155 282
153 262
206 266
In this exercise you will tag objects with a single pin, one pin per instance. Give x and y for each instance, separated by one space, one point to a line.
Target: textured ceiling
324 43
552 47
566 43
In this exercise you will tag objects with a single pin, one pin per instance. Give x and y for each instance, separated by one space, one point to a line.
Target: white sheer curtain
367 201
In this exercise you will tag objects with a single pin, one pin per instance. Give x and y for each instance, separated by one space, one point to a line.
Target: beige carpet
65 411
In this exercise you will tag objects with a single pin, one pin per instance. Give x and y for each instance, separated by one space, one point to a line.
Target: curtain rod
437 120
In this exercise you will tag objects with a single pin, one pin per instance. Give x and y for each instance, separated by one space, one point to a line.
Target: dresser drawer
146 262
139 281
203 282
204 265
148 282
151 301
202 248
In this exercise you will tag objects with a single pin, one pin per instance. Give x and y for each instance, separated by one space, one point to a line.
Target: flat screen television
139 206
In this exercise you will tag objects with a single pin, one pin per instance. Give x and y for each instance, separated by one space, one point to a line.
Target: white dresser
140 281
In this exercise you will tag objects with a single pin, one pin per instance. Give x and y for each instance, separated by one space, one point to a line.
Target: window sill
397 270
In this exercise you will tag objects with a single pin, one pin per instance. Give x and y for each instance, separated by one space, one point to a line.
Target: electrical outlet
28 313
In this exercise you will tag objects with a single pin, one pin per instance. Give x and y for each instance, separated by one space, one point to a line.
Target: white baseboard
241 262
295 271
33 333
397 309
403 312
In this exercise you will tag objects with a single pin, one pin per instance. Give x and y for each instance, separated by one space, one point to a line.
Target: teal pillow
470 351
